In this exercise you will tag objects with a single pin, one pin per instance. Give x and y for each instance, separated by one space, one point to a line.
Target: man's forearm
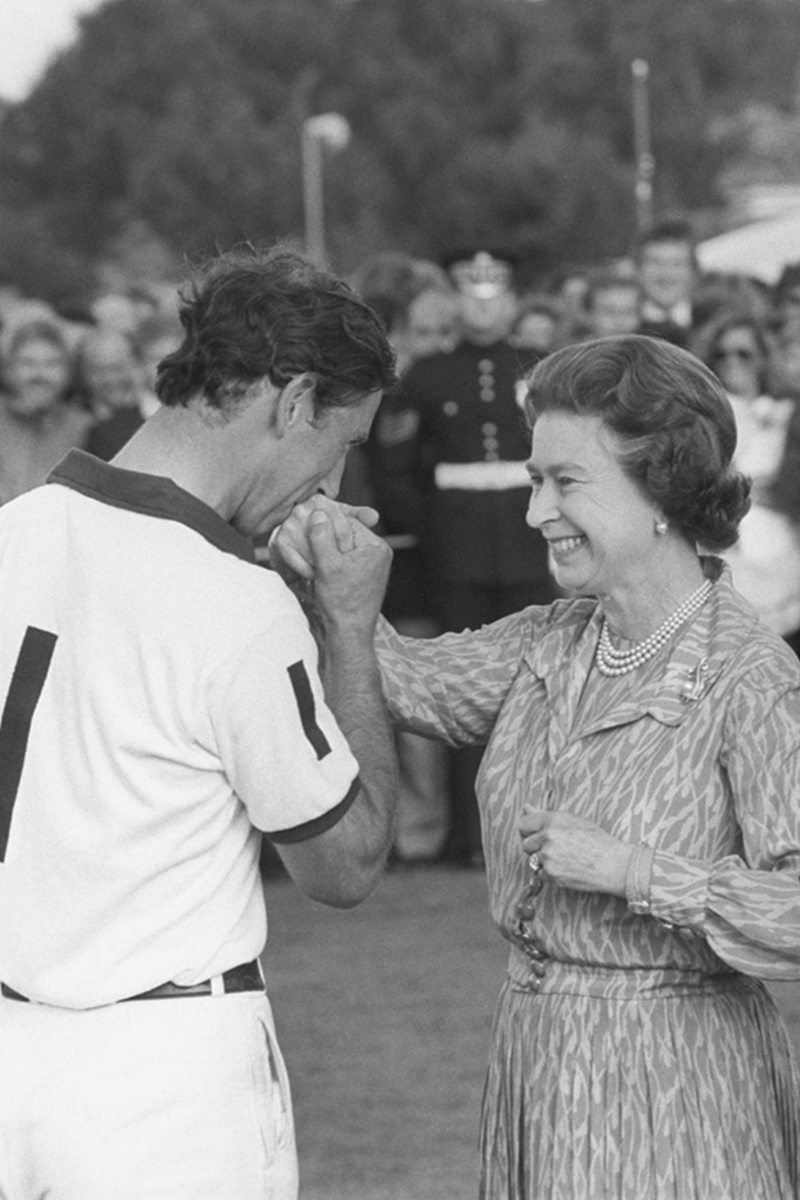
353 691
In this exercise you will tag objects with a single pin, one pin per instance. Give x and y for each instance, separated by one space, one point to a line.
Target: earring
661 527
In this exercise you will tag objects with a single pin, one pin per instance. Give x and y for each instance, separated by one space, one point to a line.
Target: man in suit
667 270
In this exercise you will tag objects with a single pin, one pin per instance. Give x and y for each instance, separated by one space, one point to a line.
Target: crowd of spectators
442 463
82 380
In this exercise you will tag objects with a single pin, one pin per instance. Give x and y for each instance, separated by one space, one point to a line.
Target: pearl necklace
620 662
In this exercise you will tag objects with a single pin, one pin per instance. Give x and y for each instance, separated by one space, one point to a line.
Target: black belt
245 978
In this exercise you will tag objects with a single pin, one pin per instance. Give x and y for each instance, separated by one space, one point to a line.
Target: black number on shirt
24 691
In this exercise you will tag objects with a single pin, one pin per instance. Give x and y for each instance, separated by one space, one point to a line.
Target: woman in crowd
39 421
766 558
639 804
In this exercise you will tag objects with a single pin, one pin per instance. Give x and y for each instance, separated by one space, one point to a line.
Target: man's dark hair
669 229
256 313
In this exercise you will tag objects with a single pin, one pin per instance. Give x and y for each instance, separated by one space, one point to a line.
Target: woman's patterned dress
649 1062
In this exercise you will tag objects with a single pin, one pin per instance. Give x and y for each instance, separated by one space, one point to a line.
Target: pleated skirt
634 1085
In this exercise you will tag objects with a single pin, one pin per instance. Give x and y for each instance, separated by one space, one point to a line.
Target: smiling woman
643 847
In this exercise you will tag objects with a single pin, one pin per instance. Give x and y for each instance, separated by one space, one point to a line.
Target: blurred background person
786 300
459 446
419 307
39 416
118 375
156 336
786 332
113 387
667 271
766 558
611 304
535 329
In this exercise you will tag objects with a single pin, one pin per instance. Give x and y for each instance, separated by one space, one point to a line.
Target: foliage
500 122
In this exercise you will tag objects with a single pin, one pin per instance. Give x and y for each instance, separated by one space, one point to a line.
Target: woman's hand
575 853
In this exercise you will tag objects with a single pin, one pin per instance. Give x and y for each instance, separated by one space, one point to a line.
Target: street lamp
325 129
645 163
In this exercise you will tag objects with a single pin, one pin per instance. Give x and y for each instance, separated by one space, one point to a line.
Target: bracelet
637 880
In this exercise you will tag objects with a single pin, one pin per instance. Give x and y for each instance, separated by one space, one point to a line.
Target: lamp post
645 163
325 129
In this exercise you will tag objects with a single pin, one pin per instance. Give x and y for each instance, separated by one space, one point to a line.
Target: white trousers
168 1099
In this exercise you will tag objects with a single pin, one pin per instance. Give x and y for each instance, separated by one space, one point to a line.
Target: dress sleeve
747 905
452 687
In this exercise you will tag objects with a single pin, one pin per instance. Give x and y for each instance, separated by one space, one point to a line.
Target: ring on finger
535 863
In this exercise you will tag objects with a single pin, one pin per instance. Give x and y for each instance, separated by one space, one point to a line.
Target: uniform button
491 443
489 428
491 456
450 408
486 366
487 394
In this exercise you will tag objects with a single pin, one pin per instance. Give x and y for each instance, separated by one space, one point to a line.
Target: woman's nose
541 506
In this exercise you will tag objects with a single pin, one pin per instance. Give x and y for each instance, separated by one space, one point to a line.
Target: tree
474 120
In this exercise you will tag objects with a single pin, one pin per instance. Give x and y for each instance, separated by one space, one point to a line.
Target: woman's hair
18 333
707 338
273 314
673 422
33 329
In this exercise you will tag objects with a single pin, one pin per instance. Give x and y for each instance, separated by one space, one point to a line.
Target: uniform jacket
460 408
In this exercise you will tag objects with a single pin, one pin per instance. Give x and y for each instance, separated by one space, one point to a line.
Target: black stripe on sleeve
301 687
301 833
24 690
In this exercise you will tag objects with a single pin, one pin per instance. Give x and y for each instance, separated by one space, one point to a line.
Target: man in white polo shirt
161 706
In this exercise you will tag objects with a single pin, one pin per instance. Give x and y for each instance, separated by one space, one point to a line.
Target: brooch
693 688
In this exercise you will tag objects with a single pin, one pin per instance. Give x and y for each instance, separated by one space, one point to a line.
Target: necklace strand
620 662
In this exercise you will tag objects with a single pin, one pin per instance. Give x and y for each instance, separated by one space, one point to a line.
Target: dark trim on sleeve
301 686
310 829
152 495
24 691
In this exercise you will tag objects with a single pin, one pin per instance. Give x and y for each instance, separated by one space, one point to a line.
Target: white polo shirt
160 704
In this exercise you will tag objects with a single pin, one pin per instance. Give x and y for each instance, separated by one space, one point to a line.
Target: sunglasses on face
740 353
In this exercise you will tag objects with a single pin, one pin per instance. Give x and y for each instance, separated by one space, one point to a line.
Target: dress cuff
637 879
679 890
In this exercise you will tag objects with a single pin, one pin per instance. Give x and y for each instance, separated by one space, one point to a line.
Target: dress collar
152 495
667 687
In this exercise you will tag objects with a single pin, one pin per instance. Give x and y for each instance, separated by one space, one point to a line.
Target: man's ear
295 404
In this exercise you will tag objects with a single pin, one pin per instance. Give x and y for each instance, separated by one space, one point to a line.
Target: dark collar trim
153 495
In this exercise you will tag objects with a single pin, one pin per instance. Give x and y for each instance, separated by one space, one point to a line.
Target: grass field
383 1015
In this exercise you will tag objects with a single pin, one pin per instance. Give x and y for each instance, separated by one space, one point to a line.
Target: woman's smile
564 546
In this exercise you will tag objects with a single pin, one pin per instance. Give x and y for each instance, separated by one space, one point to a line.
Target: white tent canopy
761 249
